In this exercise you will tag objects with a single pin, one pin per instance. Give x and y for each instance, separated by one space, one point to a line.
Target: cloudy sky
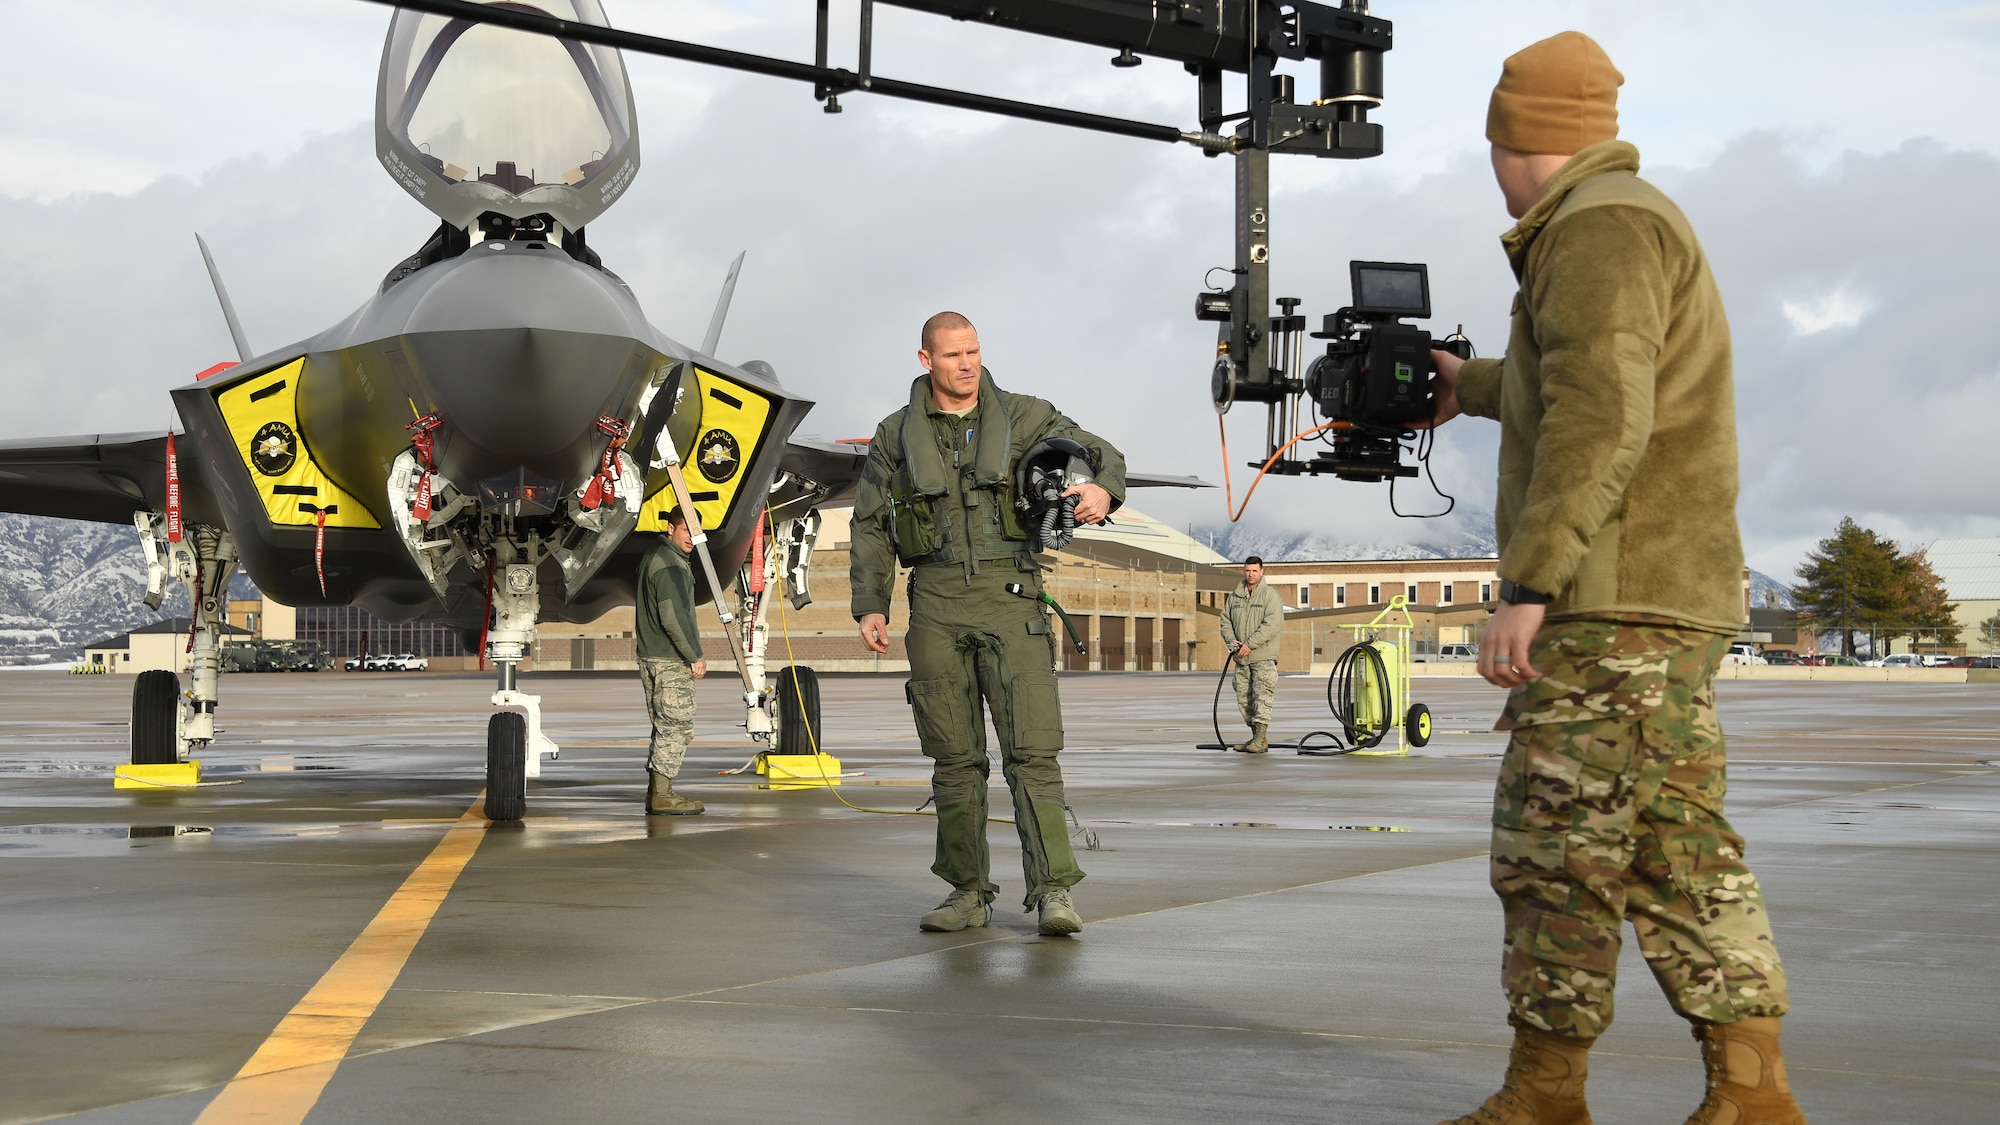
1840 161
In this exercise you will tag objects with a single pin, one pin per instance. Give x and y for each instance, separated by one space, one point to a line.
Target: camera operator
1621 569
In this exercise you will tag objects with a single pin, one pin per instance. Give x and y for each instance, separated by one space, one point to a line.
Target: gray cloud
1078 256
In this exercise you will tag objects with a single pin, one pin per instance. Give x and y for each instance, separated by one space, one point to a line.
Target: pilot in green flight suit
937 495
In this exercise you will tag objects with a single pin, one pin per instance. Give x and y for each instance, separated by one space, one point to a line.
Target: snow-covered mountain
66 583
1468 538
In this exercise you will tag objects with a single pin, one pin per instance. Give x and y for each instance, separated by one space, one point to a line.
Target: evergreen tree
1989 631
1852 581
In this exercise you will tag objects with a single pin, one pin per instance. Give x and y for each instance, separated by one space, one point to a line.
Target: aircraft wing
1157 480
836 467
832 465
103 478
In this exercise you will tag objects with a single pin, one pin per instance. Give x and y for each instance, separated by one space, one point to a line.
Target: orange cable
1228 493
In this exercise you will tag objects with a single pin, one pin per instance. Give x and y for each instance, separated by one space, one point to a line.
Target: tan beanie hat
1557 96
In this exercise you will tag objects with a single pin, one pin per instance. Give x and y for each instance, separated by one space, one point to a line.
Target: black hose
1215 709
1340 695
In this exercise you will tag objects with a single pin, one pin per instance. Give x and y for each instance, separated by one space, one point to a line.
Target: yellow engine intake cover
735 419
262 415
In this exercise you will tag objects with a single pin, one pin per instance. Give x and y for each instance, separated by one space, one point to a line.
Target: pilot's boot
1056 913
1259 742
1543 1084
1746 1075
961 910
661 800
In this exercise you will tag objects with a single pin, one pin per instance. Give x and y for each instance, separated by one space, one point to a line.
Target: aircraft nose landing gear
514 741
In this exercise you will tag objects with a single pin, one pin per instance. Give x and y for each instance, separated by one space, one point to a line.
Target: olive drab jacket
938 488
663 613
1254 616
1617 406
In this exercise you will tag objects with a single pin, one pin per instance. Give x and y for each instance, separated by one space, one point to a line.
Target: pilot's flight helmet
471 118
1040 476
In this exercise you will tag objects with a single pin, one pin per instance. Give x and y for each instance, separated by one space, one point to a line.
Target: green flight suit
937 495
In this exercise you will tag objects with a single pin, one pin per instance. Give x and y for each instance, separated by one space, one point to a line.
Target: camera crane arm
1209 38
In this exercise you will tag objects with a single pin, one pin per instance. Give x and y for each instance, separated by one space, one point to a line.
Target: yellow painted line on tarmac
282 1082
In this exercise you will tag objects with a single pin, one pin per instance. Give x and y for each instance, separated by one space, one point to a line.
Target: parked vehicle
1449 652
1742 652
1959 662
1902 660
1985 662
1836 660
1782 656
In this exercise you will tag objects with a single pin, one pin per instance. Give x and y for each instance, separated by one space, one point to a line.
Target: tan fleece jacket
1616 405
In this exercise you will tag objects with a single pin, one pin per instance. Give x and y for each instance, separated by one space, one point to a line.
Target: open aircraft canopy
471 118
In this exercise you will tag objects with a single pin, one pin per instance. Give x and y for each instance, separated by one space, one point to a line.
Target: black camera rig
1363 397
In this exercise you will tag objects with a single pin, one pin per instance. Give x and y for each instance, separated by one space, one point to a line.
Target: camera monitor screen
1391 288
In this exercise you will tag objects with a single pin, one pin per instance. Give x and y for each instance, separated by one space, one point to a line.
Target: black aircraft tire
797 711
1417 725
506 766
156 701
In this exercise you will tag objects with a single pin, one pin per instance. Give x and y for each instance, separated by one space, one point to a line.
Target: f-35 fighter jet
480 441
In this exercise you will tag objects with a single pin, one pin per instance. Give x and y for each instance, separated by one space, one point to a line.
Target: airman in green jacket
936 495
1253 616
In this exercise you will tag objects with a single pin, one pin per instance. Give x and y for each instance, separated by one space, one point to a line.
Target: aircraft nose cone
522 349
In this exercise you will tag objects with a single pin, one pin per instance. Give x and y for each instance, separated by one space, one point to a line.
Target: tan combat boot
1543 1084
661 800
1259 743
1746 1075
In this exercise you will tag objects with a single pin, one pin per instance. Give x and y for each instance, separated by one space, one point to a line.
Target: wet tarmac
1267 939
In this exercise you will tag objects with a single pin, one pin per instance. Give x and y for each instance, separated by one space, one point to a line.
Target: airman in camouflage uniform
1252 617
670 661
1621 585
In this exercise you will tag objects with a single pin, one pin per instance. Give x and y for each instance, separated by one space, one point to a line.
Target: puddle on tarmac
99 767
71 841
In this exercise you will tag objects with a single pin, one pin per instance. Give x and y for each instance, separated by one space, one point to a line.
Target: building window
1486 591
1374 595
1340 594
1410 592
1448 591
1305 596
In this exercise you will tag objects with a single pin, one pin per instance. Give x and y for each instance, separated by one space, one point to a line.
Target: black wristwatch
1513 593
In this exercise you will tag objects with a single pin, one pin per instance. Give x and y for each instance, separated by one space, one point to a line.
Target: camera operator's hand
1503 651
875 632
1447 365
1093 503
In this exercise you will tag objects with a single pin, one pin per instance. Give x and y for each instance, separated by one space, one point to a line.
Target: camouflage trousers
670 704
1256 689
1609 807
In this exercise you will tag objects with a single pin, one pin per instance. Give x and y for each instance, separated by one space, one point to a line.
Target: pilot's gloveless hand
875 632
1093 503
699 668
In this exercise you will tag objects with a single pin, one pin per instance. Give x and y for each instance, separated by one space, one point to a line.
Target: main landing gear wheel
1417 724
506 766
156 704
797 699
